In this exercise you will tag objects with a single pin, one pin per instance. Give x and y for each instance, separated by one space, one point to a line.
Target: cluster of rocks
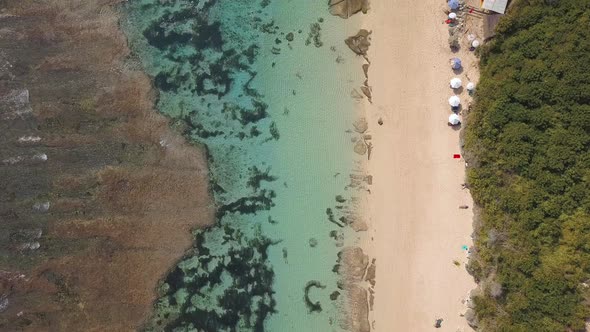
359 44
345 214
362 144
315 34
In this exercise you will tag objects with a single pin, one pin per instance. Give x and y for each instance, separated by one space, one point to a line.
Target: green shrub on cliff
528 140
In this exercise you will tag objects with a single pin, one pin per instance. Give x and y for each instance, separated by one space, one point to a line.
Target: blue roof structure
453 4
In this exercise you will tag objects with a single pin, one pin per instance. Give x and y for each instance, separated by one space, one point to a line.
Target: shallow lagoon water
275 126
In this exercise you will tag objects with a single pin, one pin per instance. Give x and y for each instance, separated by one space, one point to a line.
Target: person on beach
438 323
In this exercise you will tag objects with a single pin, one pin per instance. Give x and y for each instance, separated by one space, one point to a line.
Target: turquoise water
276 118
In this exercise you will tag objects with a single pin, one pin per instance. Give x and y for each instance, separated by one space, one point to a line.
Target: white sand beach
418 227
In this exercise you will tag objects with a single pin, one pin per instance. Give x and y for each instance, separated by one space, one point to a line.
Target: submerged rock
361 125
360 147
313 242
331 217
347 8
312 306
334 295
314 35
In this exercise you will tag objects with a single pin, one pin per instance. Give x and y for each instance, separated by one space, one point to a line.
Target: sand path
419 229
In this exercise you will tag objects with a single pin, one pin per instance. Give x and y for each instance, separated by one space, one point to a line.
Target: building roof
498 6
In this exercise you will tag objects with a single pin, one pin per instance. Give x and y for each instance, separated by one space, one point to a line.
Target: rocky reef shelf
220 67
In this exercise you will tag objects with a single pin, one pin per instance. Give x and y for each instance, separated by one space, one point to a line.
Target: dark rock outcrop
347 8
360 42
312 306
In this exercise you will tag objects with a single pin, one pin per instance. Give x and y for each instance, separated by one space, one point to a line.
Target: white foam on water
29 139
40 156
41 207
13 160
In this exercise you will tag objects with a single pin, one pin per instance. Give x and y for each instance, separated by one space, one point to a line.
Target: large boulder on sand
347 8
359 43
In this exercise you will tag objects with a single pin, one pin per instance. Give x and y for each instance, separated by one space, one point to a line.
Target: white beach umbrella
452 16
454 119
454 101
456 83
471 37
475 43
470 86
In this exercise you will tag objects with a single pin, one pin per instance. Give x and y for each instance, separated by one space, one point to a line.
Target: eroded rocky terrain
98 196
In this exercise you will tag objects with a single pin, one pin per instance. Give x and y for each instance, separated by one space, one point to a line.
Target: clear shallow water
275 126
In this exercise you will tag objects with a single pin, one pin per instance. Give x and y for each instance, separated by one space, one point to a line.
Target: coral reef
98 196
202 64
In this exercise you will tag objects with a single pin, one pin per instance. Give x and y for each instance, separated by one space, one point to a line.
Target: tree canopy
527 141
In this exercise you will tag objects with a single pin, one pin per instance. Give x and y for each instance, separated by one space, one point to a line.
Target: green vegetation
527 141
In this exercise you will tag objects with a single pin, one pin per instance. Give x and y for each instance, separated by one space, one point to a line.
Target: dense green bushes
528 140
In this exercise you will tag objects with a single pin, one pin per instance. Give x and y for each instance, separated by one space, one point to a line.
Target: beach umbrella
475 43
454 101
455 63
453 4
452 16
470 86
454 119
471 37
456 83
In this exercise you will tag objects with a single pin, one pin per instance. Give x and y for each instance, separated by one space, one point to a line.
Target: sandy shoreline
418 229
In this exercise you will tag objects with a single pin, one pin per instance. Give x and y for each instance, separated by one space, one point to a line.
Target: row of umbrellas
456 84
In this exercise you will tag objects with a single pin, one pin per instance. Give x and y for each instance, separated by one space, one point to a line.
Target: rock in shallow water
360 125
360 147
313 242
360 42
347 8
312 306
